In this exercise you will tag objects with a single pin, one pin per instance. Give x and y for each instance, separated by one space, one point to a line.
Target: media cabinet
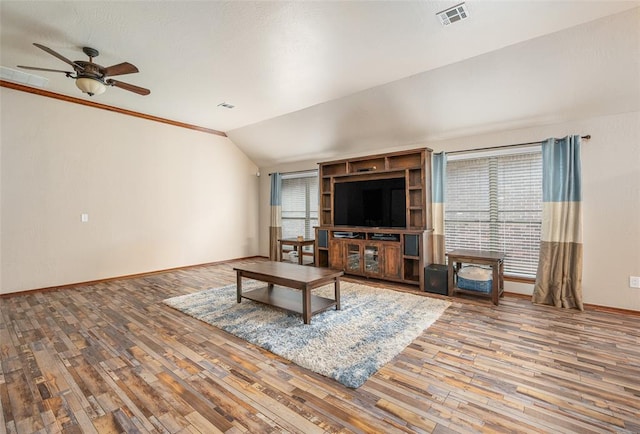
397 254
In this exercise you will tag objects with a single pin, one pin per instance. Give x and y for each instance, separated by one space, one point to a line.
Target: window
495 203
299 204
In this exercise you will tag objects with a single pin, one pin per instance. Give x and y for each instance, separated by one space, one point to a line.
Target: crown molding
74 100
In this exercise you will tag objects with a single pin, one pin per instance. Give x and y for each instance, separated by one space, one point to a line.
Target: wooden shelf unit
398 254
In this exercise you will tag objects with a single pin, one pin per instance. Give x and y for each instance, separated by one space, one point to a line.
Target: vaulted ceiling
318 79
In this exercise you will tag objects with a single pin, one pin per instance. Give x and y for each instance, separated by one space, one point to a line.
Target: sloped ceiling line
74 100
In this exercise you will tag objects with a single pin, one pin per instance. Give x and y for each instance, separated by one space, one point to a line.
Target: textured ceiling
322 78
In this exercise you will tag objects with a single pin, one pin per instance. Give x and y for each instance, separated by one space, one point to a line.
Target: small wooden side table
297 246
480 257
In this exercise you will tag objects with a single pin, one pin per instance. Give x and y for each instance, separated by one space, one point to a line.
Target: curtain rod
295 172
490 148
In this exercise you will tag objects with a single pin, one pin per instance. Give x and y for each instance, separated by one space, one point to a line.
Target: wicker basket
475 279
483 286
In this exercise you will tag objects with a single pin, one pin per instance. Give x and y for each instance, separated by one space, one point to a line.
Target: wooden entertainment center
388 252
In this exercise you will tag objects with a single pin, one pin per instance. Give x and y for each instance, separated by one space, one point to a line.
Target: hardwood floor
111 357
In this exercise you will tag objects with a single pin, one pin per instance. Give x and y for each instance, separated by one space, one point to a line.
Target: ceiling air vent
453 14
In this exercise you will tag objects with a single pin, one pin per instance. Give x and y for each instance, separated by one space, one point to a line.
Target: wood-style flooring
110 357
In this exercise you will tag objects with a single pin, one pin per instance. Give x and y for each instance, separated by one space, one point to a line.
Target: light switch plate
634 281
84 217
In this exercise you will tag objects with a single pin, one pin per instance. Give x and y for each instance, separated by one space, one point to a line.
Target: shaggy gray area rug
349 345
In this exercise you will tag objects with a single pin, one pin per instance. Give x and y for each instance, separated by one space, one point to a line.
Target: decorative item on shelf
300 238
293 256
367 169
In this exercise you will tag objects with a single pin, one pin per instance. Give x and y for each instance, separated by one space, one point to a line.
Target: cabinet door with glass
353 257
372 259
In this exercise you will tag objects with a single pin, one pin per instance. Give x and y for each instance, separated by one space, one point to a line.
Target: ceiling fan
90 77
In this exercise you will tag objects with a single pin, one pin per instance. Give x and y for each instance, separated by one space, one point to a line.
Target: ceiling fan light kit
90 86
90 77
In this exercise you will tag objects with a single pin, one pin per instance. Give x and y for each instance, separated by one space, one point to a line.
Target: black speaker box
435 279
323 238
411 245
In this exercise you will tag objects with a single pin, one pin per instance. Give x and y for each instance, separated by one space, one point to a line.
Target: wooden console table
293 276
495 260
297 246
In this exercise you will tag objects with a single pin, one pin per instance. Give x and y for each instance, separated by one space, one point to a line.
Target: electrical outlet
634 281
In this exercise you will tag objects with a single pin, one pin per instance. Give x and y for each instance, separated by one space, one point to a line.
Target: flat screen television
379 203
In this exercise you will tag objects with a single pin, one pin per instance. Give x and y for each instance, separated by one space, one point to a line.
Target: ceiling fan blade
129 87
119 69
44 69
59 56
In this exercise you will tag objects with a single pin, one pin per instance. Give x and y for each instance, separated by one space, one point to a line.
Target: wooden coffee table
301 277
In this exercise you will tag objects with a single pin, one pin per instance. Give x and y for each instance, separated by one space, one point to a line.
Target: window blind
495 203
299 204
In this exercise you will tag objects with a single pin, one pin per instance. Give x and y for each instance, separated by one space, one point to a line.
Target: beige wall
611 199
157 196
